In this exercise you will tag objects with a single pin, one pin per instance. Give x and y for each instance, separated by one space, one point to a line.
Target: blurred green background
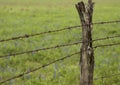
19 17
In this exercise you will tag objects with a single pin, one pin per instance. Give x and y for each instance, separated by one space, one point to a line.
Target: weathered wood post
87 54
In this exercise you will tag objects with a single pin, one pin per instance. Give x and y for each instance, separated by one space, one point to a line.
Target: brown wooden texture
87 53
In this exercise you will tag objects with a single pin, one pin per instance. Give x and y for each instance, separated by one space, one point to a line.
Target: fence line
64 45
57 46
38 68
118 74
53 31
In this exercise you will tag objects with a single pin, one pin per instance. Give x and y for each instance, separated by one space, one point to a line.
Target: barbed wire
53 31
36 69
36 34
22 74
45 65
107 45
105 38
58 46
118 74
107 22
41 49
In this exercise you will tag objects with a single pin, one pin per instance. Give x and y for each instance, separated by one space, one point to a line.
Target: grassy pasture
19 17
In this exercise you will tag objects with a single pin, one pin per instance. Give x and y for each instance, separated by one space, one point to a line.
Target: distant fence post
87 52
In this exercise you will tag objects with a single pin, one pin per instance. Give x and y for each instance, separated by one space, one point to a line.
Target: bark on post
87 53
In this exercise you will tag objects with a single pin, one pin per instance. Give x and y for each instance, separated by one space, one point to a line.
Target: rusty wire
108 37
36 34
107 45
41 49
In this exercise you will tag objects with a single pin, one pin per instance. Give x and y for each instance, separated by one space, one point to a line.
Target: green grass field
19 17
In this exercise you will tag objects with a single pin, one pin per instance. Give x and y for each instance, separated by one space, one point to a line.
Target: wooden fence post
87 53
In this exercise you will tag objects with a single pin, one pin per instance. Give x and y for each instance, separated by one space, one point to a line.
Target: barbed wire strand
36 34
107 45
106 38
107 22
57 46
53 31
118 74
37 50
38 68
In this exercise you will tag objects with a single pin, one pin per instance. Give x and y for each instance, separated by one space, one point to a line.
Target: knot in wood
89 50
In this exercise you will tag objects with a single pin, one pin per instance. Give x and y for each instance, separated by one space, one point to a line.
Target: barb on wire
118 74
31 51
36 69
53 31
107 45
